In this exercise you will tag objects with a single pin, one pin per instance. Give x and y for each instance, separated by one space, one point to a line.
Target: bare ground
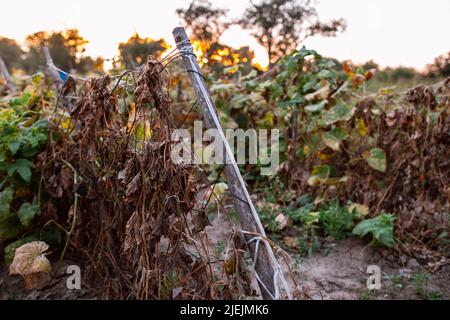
341 273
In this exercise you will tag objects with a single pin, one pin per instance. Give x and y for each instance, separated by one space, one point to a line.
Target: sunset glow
392 33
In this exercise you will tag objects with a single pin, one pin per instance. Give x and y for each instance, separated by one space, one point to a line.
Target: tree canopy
136 50
10 51
440 67
66 47
280 25
205 23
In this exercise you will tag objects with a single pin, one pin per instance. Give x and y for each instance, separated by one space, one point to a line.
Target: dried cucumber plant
413 130
416 183
134 212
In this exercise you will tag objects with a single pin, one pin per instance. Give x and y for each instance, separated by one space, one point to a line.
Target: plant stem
75 209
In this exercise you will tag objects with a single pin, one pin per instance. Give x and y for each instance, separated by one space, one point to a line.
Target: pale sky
392 32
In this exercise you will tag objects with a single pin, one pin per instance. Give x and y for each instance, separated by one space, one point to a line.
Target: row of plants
382 152
352 161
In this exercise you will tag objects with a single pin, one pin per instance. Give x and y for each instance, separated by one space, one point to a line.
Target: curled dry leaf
282 221
30 263
360 210
291 242
230 264
369 74
201 221
391 119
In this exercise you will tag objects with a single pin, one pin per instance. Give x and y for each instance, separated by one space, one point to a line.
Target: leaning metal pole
267 270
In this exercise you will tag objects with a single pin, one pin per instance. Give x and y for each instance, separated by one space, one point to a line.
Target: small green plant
269 217
307 219
308 241
398 282
274 191
303 214
420 284
168 284
381 228
331 218
337 221
365 294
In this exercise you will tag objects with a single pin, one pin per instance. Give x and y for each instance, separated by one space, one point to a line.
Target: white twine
277 292
51 65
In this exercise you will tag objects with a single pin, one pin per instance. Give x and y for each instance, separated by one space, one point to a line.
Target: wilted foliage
387 151
132 221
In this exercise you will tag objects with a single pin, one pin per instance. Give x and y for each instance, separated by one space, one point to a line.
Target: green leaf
14 147
6 197
434 117
291 91
331 141
376 158
27 212
10 228
310 85
266 85
22 167
250 75
24 173
319 174
381 228
37 78
276 90
24 99
362 128
443 235
325 74
304 199
334 137
231 69
238 100
222 87
340 112
302 214
10 249
41 124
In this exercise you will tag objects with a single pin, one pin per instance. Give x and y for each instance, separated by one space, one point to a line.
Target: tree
440 67
75 42
136 50
205 24
89 64
369 65
11 52
280 25
66 48
224 56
